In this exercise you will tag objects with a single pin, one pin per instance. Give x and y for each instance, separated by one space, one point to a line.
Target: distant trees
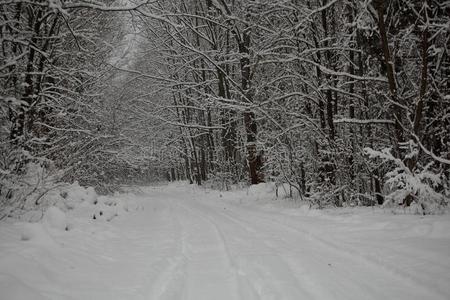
294 91
55 94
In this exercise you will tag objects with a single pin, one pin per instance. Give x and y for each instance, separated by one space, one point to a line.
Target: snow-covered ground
183 242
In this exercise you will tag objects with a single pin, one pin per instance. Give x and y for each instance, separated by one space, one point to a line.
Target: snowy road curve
190 244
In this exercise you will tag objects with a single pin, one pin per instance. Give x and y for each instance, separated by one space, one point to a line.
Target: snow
56 218
37 233
179 241
77 194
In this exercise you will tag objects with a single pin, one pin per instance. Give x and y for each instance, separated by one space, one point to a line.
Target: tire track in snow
169 284
372 261
220 257
309 287
266 272
300 250
245 288
346 253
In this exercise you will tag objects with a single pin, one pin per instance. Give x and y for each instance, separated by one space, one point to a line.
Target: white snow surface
179 241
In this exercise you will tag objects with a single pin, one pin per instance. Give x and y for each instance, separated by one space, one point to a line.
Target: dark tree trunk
397 112
251 129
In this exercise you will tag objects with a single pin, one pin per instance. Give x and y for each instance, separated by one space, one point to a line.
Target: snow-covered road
187 243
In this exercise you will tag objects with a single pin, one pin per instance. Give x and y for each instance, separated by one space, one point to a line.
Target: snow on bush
56 218
102 208
421 183
39 197
23 191
76 194
286 190
106 209
86 202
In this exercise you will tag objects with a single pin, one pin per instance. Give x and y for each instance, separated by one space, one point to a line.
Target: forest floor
183 242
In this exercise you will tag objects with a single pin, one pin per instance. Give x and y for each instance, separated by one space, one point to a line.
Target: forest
346 102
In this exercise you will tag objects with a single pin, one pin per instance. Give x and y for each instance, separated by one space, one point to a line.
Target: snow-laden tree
227 91
302 87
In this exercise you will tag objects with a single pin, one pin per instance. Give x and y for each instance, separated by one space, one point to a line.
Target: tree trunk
254 162
397 112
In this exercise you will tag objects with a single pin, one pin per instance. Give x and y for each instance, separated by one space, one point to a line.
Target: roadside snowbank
38 253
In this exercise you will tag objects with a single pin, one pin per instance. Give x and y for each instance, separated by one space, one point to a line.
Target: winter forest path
184 242
208 249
